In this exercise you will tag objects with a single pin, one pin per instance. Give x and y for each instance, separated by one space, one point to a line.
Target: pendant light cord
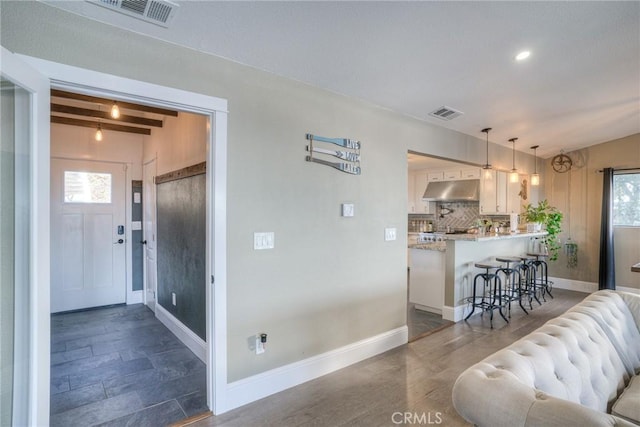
486 130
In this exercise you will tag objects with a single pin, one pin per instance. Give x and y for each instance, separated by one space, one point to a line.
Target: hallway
120 366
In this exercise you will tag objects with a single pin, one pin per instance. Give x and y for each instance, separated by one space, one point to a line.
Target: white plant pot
534 227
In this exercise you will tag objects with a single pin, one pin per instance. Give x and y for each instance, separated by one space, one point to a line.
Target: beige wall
578 194
73 142
330 281
181 142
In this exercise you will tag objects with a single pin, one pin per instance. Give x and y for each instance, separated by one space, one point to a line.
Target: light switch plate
348 209
264 240
389 234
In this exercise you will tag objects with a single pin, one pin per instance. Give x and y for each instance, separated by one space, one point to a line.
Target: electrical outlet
173 298
259 345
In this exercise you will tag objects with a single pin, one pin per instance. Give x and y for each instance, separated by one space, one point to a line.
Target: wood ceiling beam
67 109
128 105
104 126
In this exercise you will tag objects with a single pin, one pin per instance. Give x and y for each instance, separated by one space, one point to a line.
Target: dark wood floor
120 366
422 323
416 378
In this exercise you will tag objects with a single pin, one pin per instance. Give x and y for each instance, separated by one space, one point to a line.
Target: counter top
442 245
636 268
489 237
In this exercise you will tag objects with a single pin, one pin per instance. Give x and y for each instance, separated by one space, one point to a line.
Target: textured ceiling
581 85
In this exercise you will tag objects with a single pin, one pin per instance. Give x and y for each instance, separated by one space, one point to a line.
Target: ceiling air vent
160 12
445 113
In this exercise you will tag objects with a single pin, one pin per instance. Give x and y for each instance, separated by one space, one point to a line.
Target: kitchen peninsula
442 272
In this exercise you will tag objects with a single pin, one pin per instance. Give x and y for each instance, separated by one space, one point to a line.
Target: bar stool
528 283
512 280
540 267
491 291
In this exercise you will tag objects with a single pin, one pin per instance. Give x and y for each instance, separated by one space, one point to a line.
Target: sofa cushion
628 404
574 360
613 314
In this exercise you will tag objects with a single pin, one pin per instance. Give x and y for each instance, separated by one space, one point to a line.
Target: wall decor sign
350 155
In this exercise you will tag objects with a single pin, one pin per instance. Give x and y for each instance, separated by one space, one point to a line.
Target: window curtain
607 273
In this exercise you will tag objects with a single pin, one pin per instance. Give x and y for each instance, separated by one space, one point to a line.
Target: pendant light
513 176
99 133
487 166
535 178
115 111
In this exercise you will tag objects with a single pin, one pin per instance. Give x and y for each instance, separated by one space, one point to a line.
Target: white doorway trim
37 384
100 84
149 232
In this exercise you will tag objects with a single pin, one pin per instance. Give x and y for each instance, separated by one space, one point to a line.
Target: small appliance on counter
514 221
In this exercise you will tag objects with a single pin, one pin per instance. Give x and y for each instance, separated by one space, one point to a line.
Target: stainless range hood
453 191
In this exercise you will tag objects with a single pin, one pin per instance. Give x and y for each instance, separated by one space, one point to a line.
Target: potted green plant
550 218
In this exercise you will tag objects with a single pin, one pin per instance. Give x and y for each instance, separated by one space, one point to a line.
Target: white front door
149 232
87 234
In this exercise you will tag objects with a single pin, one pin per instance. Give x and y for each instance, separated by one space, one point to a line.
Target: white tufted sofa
579 369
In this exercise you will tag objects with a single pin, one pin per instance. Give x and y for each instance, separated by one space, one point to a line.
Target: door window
87 187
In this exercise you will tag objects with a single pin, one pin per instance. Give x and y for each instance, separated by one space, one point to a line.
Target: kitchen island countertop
441 245
491 236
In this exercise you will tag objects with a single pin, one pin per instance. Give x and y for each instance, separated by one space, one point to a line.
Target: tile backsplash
457 215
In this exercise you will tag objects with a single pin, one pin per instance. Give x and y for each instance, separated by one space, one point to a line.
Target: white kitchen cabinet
488 197
435 176
473 173
501 192
514 200
493 192
421 206
426 279
411 193
452 175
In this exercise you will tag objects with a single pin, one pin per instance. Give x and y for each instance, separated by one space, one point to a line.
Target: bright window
626 199
87 187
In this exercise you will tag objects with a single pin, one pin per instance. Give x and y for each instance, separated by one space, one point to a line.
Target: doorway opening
427 248
77 80
107 247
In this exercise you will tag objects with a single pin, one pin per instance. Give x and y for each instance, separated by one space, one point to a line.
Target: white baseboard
589 287
196 344
135 297
454 314
267 383
574 285
428 309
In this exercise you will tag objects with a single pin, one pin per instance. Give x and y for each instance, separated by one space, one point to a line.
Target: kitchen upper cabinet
411 193
514 200
501 192
435 176
493 192
452 175
420 184
473 173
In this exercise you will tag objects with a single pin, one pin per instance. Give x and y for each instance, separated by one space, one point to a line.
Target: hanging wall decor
571 250
350 156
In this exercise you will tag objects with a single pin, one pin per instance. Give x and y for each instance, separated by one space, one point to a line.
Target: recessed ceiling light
523 55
